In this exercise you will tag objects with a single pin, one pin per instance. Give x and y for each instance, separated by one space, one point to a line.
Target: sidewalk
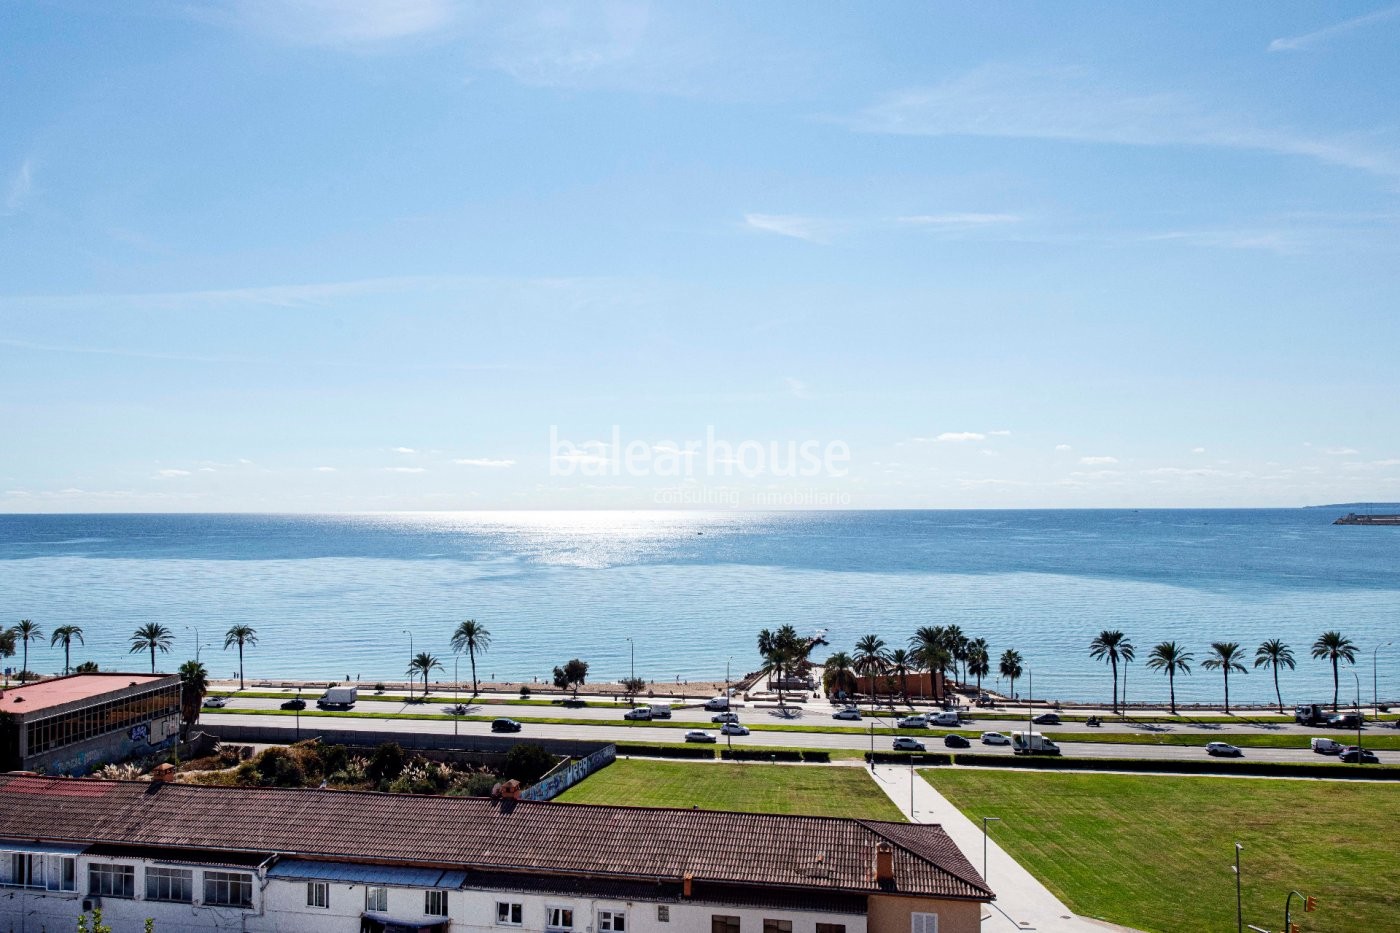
1022 903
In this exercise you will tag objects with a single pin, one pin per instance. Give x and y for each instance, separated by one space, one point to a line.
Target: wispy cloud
324 469
1097 461
798 388
405 470
404 450
330 22
20 188
960 220
811 229
1341 452
1063 447
171 474
1075 105
484 462
1276 241
959 437
1308 40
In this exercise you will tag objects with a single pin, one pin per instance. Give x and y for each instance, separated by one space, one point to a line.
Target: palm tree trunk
1171 686
1278 695
1227 691
25 668
153 657
1335 688
66 663
471 653
1114 659
240 664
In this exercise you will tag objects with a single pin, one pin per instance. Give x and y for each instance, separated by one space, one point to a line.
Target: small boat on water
1353 518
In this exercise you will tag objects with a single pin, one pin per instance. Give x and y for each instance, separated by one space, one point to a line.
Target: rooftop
46 694
480 834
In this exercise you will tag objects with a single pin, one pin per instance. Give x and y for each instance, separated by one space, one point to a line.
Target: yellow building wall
891 914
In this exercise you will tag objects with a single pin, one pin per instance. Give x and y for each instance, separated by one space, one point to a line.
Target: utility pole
1239 892
1358 717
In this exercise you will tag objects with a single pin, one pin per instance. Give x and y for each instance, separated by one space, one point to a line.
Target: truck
338 698
661 711
1309 714
1032 743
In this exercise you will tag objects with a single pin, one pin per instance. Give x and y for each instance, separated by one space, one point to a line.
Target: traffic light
1309 903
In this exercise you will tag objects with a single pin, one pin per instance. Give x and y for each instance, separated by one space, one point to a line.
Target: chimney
884 863
164 773
687 880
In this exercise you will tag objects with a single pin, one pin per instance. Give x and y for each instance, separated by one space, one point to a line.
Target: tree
1226 657
65 634
571 676
781 650
472 636
87 667
423 663
1334 647
1172 659
9 641
870 660
899 662
838 675
979 660
1275 654
1111 646
527 762
194 684
240 635
1010 668
26 631
149 637
956 643
631 686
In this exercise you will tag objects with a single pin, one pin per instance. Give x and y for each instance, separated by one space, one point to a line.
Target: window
923 923
776 926
318 894
435 903
612 921
663 913
719 923
62 873
559 918
377 899
170 884
831 928
106 880
509 914
22 869
228 889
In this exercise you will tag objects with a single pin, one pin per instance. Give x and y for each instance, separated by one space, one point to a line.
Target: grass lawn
1155 851
809 790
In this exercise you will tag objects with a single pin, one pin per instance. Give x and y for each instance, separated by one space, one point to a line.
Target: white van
661 711
717 704
1324 746
947 718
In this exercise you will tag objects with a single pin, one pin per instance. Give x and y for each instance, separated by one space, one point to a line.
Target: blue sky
347 256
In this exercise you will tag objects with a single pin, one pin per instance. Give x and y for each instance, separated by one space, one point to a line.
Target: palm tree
474 637
1275 654
899 661
26 630
1010 668
956 643
1334 647
149 637
1173 659
1227 657
979 660
240 635
423 664
1111 646
929 645
194 684
66 634
870 660
837 675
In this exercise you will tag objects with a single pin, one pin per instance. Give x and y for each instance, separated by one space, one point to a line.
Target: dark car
1047 719
504 725
295 703
1343 721
1353 755
953 740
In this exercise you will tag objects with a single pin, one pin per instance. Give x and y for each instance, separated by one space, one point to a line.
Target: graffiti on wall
560 781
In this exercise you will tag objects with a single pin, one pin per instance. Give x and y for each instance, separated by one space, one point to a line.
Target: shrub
816 756
387 762
524 693
477 784
279 767
527 763
378 688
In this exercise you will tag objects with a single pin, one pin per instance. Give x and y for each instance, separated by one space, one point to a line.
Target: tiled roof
475 833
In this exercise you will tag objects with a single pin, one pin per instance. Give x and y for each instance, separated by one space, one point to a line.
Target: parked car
1047 719
919 721
1353 754
699 735
849 712
725 717
294 703
985 700
215 702
905 743
995 738
953 740
1325 746
1223 750
642 713
733 728
504 725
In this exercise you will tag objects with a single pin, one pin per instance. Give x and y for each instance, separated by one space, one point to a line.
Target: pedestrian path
1022 903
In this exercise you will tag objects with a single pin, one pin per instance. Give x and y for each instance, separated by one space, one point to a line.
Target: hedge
665 751
904 758
754 754
1185 766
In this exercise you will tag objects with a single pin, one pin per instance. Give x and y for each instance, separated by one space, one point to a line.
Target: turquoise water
337 594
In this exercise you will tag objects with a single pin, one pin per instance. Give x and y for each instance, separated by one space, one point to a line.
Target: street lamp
456 703
1358 717
1239 892
985 821
1375 690
726 674
197 641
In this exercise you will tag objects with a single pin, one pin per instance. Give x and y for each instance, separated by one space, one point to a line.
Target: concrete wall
83 757
489 744
891 914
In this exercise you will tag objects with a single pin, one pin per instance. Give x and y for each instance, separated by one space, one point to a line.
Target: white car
913 722
215 702
905 743
995 738
1223 749
849 712
733 728
641 713
699 735
725 717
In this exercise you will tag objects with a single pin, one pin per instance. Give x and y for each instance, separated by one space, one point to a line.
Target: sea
679 596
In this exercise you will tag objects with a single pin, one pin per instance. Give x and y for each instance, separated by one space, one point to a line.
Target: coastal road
818 740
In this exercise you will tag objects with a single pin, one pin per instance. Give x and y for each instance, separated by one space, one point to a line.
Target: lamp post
1239 892
1358 717
298 709
1375 682
197 641
985 821
456 703
726 674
